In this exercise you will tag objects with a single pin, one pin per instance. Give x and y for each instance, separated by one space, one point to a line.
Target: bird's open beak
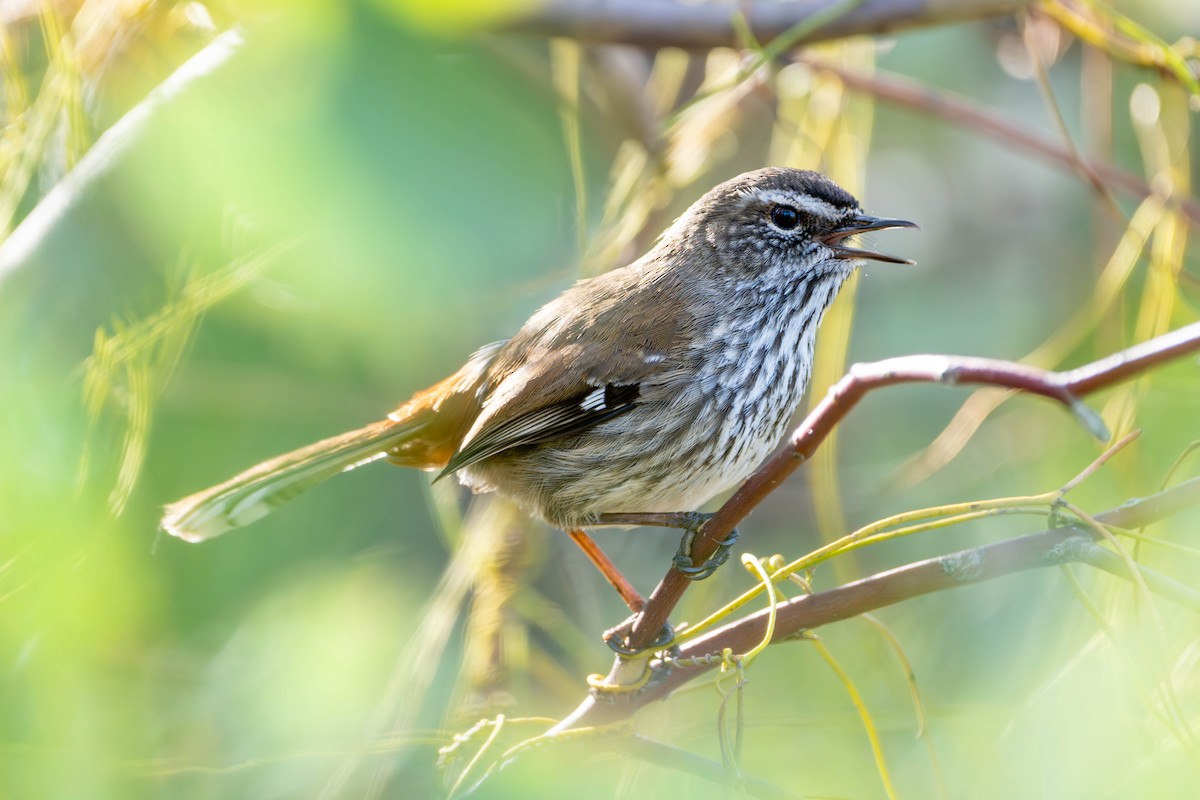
862 223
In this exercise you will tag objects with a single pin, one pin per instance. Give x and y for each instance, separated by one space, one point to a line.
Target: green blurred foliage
344 203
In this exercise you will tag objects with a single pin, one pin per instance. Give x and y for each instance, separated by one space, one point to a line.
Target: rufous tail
424 433
255 492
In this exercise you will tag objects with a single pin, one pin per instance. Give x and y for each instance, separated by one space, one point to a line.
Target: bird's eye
785 217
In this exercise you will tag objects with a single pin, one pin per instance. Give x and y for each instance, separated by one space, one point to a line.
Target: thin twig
1047 548
908 93
1078 162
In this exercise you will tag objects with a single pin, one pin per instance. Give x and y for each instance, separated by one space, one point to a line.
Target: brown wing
578 362
585 407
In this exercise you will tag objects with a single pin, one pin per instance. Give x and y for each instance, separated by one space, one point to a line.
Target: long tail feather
255 492
423 433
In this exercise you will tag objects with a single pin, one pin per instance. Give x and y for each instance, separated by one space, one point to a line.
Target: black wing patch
552 422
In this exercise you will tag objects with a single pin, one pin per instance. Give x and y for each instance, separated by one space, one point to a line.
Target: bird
633 397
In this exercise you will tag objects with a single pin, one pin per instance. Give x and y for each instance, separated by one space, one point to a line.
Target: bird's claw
616 638
697 572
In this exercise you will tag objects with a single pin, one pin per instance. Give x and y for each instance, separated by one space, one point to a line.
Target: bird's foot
617 638
683 560
689 521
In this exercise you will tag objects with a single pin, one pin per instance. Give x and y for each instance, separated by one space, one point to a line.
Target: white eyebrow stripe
808 204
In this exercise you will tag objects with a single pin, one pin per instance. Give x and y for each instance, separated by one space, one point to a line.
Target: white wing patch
593 401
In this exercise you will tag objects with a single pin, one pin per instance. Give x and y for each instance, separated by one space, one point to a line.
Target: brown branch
695 26
1047 548
1064 387
952 108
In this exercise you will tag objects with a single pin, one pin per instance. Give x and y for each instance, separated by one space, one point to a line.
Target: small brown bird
634 396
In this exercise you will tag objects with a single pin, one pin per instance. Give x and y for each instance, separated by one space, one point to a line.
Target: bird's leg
608 569
690 522
615 637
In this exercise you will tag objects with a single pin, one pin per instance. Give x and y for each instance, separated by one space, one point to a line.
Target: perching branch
1063 387
1045 549
700 26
